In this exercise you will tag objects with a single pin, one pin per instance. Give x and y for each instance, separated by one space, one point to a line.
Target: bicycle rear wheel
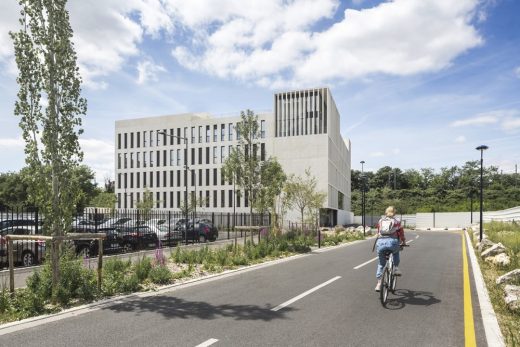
385 286
393 283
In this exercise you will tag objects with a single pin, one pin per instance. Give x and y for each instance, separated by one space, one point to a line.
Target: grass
509 235
78 285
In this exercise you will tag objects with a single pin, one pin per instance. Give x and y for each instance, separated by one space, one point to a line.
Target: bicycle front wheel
393 282
385 286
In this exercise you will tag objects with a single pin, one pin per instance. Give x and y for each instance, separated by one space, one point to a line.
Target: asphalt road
427 309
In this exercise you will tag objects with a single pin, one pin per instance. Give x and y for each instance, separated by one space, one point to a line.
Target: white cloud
460 139
480 119
274 45
508 120
10 143
377 154
99 156
511 124
147 71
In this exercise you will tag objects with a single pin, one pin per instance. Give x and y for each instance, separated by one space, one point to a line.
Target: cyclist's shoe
397 272
378 286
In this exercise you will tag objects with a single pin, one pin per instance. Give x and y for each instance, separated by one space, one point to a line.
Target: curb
489 319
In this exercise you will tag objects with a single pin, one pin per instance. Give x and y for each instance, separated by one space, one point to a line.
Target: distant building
302 132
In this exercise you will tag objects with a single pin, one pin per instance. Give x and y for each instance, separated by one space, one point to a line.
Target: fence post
100 263
228 217
11 266
169 227
95 220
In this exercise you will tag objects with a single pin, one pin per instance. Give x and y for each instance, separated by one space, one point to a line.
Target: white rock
501 259
485 244
512 297
493 250
359 228
510 277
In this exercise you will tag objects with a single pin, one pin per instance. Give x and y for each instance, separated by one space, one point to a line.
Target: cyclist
390 236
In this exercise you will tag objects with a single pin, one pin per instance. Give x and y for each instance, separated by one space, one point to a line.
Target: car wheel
127 248
28 258
84 252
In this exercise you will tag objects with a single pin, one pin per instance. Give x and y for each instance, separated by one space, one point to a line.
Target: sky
418 83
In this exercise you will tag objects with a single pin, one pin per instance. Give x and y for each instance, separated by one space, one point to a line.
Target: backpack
388 226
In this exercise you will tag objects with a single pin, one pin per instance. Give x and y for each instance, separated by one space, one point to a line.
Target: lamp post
363 196
186 168
481 148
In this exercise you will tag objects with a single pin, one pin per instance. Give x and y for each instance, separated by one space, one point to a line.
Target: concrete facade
302 132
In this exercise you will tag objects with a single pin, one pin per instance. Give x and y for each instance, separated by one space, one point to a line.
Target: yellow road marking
469 327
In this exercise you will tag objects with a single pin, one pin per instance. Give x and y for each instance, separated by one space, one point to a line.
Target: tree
243 164
301 192
193 202
13 190
88 190
272 179
145 204
104 199
50 126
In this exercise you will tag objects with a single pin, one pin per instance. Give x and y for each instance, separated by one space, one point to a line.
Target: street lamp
363 196
186 168
481 148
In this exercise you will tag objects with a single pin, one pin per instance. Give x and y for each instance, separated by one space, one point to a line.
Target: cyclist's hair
390 211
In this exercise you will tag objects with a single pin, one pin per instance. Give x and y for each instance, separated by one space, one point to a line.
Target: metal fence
127 230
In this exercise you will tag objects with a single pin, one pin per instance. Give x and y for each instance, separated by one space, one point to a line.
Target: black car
140 237
112 244
203 231
8 225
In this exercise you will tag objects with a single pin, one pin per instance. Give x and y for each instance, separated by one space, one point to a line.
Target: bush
5 300
160 275
142 268
117 277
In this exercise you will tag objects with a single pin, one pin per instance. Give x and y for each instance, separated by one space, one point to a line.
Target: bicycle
388 279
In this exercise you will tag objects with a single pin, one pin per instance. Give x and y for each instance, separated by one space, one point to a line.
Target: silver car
25 252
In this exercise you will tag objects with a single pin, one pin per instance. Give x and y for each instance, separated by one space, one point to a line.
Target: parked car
82 225
116 222
201 231
25 252
168 235
140 237
112 244
11 224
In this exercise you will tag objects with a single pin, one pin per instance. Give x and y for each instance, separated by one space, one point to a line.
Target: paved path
314 300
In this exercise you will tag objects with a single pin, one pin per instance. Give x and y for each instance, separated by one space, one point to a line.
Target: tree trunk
302 210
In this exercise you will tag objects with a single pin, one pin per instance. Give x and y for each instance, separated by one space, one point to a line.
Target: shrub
117 277
160 274
142 268
5 300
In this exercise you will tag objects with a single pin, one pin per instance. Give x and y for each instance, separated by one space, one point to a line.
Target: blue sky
418 83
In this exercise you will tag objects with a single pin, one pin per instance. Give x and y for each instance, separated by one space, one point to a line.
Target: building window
118 181
138 139
192 177
118 141
164 199
192 134
262 151
126 140
145 137
158 199
164 179
126 181
131 160
125 160
200 155
138 197
238 132
340 200
172 157
131 140
193 156
158 157
200 177
144 159
171 179
215 199
158 138
238 197
178 136
178 157
222 154
164 158
118 200
151 158
138 179
208 133
215 177
222 177
178 178
138 159
151 179
144 179
207 198
119 160
230 131
200 134
215 133
214 155
151 138
262 129
171 199
171 137
222 132
207 177
131 180
230 198
207 155
222 198
200 198
178 199
246 198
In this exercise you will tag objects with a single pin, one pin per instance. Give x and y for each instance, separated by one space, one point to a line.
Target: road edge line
469 318
492 330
